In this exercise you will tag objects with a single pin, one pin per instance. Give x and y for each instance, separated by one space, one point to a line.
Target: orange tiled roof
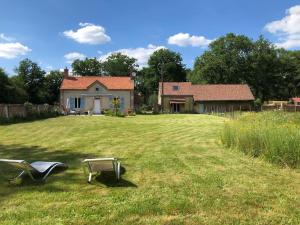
296 99
209 92
111 83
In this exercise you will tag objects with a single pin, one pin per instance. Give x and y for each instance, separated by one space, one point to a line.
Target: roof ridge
99 76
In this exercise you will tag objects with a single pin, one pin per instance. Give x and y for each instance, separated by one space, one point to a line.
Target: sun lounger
40 169
99 165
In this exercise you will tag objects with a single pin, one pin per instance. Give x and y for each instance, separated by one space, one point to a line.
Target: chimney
133 75
66 72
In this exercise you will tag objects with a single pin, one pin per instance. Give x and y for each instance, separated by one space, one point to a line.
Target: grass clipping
274 136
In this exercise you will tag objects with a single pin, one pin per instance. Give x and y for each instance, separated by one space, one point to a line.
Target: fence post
6 111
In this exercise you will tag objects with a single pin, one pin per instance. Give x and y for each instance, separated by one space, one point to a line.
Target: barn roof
209 92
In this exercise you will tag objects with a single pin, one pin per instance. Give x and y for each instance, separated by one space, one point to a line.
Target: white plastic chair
99 165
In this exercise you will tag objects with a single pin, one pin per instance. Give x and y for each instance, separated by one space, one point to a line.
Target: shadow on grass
109 179
17 120
36 153
66 178
26 179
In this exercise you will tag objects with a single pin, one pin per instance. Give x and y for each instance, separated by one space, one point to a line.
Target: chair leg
90 178
12 180
118 171
49 171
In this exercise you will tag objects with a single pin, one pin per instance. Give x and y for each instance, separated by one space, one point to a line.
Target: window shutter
110 101
122 104
72 103
82 102
68 105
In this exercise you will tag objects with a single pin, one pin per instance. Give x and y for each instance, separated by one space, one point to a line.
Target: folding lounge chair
99 165
42 169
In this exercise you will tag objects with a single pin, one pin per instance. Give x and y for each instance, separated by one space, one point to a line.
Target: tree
291 72
226 61
118 64
164 62
87 67
18 94
52 86
32 77
5 87
263 76
270 72
169 63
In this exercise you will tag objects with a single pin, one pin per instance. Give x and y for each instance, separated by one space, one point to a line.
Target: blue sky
53 32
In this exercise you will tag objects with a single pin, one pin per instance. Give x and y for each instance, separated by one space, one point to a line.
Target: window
77 103
175 88
97 89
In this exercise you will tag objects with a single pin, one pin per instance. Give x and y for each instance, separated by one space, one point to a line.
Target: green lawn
176 173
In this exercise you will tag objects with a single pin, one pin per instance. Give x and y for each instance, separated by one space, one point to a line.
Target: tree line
271 72
31 84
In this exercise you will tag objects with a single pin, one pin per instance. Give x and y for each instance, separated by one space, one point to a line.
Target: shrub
109 112
274 136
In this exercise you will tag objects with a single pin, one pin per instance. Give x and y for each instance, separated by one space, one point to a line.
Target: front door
97 106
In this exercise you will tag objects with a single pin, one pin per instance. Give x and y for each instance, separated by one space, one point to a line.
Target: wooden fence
19 110
286 108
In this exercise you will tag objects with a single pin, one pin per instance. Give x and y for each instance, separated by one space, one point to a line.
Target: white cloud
141 54
185 39
287 29
49 67
12 50
5 38
88 34
70 57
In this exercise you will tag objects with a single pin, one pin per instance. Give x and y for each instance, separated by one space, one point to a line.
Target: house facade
95 94
184 97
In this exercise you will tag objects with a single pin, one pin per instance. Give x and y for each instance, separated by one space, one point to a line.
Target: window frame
175 88
77 104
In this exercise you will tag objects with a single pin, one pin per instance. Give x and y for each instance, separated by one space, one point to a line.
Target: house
296 101
96 94
185 97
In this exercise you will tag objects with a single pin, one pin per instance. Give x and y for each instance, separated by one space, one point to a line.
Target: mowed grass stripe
176 173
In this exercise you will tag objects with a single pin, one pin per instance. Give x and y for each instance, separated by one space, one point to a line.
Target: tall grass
274 136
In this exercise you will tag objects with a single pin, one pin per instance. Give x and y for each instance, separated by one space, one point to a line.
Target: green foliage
269 71
5 87
258 103
114 112
52 86
274 136
226 61
162 63
152 101
116 105
118 64
87 67
32 78
168 63
30 84
18 94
